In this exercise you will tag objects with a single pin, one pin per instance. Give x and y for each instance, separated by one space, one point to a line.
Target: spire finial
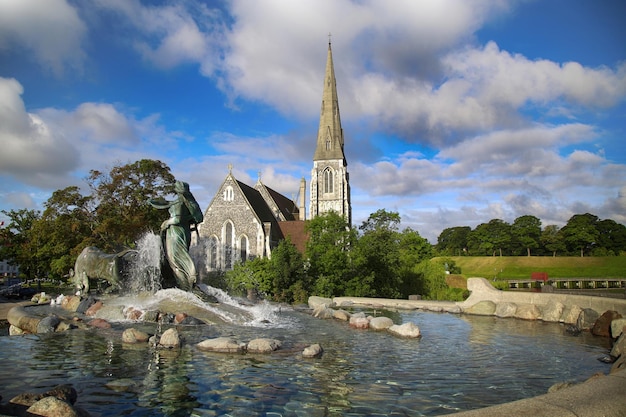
230 168
329 36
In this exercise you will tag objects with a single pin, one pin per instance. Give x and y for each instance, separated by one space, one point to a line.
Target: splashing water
145 272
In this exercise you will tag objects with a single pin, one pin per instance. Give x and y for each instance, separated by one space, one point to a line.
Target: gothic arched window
229 194
328 180
228 246
243 248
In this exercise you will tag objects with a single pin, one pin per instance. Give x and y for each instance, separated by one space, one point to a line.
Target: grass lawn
520 267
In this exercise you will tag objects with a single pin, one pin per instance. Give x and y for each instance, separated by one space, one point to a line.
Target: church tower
330 187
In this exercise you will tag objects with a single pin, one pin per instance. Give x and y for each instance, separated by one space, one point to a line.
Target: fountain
462 362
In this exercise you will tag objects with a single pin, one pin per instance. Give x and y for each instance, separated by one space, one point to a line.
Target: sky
454 112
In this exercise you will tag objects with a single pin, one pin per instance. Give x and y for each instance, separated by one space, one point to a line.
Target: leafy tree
21 242
526 231
328 253
552 239
453 240
581 232
377 254
611 236
121 198
489 238
290 280
433 278
413 249
254 276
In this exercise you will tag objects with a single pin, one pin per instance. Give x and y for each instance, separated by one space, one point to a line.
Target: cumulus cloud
50 30
30 149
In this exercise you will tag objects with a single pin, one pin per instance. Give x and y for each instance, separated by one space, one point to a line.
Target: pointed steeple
330 133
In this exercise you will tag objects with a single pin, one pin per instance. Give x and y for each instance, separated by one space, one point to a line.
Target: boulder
602 326
170 339
221 344
133 335
342 315
264 345
93 309
52 407
312 351
482 308
48 324
71 303
380 323
619 347
84 304
100 324
587 318
315 302
323 312
552 311
570 314
504 310
528 312
617 327
359 322
405 330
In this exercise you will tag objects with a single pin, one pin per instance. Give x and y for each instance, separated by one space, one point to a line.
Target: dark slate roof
257 202
286 206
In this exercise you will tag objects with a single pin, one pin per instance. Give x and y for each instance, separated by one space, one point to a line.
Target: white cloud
30 149
49 29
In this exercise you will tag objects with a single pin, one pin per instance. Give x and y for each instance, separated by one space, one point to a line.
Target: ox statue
94 264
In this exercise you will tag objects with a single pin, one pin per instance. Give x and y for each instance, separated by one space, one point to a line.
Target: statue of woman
176 233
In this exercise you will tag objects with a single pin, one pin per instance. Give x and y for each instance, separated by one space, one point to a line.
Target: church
244 222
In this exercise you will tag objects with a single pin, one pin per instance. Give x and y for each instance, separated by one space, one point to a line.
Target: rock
617 327
506 310
342 315
133 335
619 364
559 386
15 331
380 323
170 339
133 314
312 351
602 326
191 321
570 314
587 319
264 345
52 407
315 302
48 324
359 322
100 324
93 309
322 312
180 317
619 347
84 305
552 311
122 385
71 303
63 392
528 312
482 308
572 329
151 316
405 330
221 344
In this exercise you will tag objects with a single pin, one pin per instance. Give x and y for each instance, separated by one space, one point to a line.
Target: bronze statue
185 214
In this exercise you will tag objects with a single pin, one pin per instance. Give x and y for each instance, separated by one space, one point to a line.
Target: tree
581 232
121 197
488 238
289 280
453 240
328 253
413 249
552 239
377 254
20 242
611 237
526 230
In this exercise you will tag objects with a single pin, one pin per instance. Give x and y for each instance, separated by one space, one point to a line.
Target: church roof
257 203
287 207
296 232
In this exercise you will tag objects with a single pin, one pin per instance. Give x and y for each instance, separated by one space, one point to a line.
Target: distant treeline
583 235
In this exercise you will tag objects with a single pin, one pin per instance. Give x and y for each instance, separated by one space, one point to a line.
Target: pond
461 362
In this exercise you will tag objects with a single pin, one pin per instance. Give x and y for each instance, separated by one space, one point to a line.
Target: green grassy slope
520 267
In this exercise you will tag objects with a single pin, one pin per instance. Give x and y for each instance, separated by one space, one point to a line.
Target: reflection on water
461 362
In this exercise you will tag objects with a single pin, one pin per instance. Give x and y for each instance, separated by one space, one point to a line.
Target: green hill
520 267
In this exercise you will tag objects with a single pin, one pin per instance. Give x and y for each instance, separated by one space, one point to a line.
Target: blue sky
455 112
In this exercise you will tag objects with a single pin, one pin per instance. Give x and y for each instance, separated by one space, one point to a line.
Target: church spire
330 133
